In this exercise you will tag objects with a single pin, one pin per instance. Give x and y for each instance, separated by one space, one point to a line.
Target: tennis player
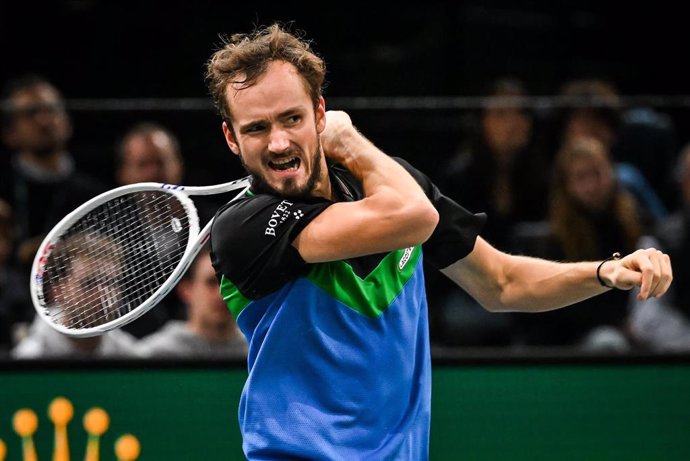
321 264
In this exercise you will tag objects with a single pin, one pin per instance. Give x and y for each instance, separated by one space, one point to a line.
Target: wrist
349 149
601 273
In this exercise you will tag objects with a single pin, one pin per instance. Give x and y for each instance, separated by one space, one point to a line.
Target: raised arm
395 212
503 282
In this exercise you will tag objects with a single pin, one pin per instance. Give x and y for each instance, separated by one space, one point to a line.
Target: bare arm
503 282
395 212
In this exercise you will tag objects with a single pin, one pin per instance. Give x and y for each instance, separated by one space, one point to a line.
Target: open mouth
285 164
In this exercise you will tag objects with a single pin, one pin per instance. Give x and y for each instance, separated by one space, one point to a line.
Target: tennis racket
116 256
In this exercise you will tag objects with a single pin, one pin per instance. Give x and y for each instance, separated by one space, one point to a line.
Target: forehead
36 93
153 141
279 89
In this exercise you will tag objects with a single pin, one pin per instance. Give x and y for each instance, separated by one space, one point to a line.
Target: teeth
284 164
284 161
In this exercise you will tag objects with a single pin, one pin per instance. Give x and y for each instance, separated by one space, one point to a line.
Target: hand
650 269
338 124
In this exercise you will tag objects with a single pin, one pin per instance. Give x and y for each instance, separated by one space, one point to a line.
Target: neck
324 187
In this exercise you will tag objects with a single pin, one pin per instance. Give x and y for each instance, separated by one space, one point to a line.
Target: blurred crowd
40 183
577 182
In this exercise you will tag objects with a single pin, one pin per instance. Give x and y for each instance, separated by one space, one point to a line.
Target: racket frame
197 239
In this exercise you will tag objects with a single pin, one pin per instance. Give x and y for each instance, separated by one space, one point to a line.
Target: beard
290 188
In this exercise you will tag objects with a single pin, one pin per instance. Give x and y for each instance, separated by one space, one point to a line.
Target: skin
39 133
207 314
150 157
274 120
41 128
506 131
591 182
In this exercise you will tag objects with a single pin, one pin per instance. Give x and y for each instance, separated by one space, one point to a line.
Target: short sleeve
251 242
457 230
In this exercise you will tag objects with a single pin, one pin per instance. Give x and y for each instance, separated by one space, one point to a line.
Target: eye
293 119
257 128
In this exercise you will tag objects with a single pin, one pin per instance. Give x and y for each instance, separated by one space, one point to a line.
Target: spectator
42 183
499 169
209 331
665 324
79 280
595 110
589 215
44 342
15 305
149 152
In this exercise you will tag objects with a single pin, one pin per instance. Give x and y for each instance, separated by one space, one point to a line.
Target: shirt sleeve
457 229
251 242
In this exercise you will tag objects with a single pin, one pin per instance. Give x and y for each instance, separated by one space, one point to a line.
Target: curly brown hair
243 58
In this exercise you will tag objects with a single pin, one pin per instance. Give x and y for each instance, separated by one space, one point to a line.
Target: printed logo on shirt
405 258
279 215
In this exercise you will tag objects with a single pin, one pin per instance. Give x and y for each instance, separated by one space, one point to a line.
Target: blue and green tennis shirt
339 363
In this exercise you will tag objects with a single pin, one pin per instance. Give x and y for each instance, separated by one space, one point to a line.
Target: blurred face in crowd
589 176
150 157
585 123
39 124
275 131
506 129
92 285
201 294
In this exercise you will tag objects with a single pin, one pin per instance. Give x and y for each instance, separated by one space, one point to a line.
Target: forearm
537 285
501 282
394 213
391 194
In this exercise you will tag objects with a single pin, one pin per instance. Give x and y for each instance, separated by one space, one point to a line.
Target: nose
278 141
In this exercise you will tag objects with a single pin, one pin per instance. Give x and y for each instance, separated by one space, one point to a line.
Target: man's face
201 294
90 293
39 123
275 131
150 157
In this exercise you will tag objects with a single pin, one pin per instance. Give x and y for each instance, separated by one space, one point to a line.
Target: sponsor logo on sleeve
279 215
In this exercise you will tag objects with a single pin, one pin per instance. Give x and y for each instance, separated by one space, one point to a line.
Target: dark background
152 49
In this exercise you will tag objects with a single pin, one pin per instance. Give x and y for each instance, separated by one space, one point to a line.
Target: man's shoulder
245 207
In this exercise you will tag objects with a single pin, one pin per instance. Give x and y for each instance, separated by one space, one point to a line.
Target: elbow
431 218
423 219
496 307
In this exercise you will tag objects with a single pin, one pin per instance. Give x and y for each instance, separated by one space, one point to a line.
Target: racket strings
114 258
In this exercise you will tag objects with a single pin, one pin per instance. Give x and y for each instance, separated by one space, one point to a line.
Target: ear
230 139
320 115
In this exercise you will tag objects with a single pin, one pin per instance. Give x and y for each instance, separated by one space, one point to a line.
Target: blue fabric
328 383
632 179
